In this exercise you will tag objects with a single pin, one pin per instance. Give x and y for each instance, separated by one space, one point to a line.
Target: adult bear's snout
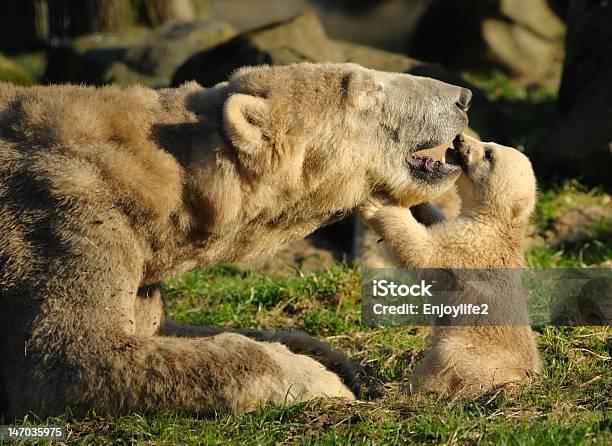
465 99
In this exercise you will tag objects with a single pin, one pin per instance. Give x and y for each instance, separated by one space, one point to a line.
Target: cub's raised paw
371 205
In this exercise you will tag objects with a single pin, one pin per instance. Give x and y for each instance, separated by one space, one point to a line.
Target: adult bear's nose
465 99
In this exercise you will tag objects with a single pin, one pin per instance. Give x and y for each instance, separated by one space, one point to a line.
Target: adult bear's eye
489 155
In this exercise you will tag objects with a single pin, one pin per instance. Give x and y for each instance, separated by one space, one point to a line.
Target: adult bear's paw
334 360
305 378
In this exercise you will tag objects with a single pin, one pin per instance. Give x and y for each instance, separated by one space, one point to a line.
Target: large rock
304 39
158 12
135 55
521 50
301 39
387 24
376 59
581 144
156 60
523 37
535 15
87 59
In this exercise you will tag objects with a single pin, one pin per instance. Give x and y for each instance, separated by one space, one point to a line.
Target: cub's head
334 133
496 180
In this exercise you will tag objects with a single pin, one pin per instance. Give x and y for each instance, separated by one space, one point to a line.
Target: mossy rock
13 73
301 39
521 37
153 63
136 55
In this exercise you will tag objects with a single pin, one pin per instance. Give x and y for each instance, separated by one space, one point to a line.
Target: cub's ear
248 126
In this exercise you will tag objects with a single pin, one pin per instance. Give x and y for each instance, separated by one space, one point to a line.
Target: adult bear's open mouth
430 168
432 163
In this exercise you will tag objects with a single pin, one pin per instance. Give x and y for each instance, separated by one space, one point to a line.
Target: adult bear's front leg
111 373
150 309
70 341
72 361
297 342
150 319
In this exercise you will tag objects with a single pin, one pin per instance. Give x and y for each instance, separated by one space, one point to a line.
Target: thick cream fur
498 195
105 192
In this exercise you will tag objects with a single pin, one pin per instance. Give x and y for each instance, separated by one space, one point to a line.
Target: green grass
552 204
14 73
559 199
593 253
500 87
326 302
569 404
34 64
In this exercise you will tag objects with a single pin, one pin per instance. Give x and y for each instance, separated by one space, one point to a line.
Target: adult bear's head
351 123
309 142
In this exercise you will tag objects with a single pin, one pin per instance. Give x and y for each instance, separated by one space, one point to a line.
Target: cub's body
497 188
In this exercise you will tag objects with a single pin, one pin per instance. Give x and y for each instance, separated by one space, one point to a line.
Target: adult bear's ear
362 90
248 125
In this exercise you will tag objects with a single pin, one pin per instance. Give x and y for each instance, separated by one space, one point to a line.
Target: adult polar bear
106 192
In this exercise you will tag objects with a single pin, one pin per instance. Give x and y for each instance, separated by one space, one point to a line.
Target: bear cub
497 188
